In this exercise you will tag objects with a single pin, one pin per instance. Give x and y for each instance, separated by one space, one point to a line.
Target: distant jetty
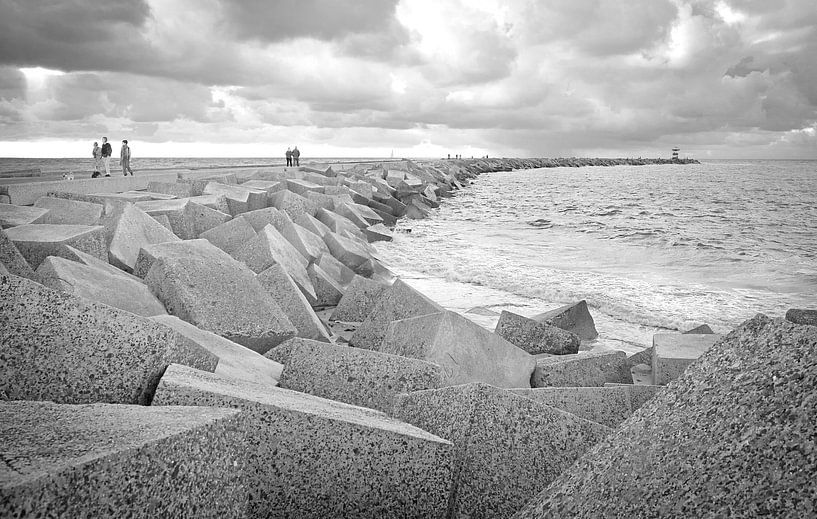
506 164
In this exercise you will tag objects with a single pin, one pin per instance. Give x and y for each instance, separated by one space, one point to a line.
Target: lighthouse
675 153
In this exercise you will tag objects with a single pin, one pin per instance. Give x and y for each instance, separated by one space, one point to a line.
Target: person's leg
107 162
127 164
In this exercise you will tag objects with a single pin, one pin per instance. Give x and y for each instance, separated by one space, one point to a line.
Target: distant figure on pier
107 151
296 156
124 158
97 154
289 157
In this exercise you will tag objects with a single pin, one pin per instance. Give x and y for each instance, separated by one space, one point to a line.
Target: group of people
102 158
293 157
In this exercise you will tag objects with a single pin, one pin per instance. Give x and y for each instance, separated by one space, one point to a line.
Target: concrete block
508 448
263 217
389 220
318 458
64 211
398 208
177 189
269 186
351 213
673 353
239 198
302 187
310 245
280 286
328 292
342 274
337 223
104 460
347 251
217 202
377 232
605 405
639 394
12 260
321 200
534 337
310 223
584 369
234 360
699 330
367 213
355 376
92 261
283 351
99 285
13 215
37 242
204 286
230 236
574 318
358 301
292 204
187 219
466 351
59 347
133 230
802 316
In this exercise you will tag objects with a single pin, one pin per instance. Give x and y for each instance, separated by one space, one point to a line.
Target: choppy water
648 247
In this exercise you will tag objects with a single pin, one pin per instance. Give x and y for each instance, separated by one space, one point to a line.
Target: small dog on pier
68 176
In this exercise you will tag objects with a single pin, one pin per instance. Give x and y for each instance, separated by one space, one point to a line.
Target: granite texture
309 244
280 286
263 217
605 405
216 202
342 274
54 346
508 448
187 219
356 376
399 301
292 204
639 394
733 436
204 286
71 212
37 242
313 457
328 292
351 213
240 199
13 215
347 251
177 189
359 300
535 337
302 187
673 353
283 351
230 236
103 460
268 186
310 223
133 230
466 351
574 318
12 260
583 369
337 223
802 316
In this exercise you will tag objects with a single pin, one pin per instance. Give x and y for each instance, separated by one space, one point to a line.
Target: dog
68 176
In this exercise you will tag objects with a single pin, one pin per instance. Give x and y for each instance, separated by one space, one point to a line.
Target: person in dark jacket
107 151
124 159
289 157
296 156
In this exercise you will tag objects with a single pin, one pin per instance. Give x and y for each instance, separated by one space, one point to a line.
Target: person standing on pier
296 156
289 157
97 154
107 151
124 158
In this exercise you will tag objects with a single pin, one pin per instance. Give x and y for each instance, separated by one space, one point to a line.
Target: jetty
226 343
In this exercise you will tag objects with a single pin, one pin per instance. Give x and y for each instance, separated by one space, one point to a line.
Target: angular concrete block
400 301
37 242
204 286
377 232
59 347
302 187
230 236
605 405
280 286
177 189
673 353
342 274
292 204
729 438
216 202
318 458
310 245
263 217
187 219
574 318
347 251
240 199
351 213
321 201
12 260
508 447
328 292
584 369
99 285
639 394
69 212
282 352
358 301
310 223
337 223
466 351
234 360
104 460
355 376
802 316
534 337
699 330
133 230
269 186
13 215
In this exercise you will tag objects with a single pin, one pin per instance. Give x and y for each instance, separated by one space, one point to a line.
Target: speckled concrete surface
239 198
133 230
204 286
605 405
673 353
339 272
313 457
534 337
733 436
574 318
280 286
466 351
802 316
640 394
328 291
508 447
399 301
292 204
583 369
70 350
230 236
309 244
359 300
13 215
260 218
64 211
11 258
105 460
283 351
37 242
356 376
346 251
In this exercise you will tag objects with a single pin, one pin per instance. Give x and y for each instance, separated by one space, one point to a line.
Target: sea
652 249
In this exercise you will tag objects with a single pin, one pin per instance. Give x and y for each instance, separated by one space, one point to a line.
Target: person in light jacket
124 159
97 154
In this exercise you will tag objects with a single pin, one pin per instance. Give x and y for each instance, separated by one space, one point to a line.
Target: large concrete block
356 376
240 199
263 217
351 213
292 204
12 260
731 437
187 219
328 292
177 189
217 202
605 405
342 274
204 286
535 337
358 301
99 285
337 223
104 460
13 215
302 187
802 316
310 245
321 200
283 351
574 318
64 211
585 369
268 186
310 223
466 351
639 394
319 458
673 353
59 347
234 360
230 236
377 232
280 286
347 251
133 230
508 447
37 242
400 301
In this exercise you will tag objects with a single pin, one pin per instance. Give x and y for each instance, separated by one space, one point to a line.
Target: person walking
124 158
107 151
296 156
97 154
289 157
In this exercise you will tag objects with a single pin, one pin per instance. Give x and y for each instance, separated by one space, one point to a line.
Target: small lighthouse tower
675 153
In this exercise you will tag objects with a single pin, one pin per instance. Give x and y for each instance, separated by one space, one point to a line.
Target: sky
413 78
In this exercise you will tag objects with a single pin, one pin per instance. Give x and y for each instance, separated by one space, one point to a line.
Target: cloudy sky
720 79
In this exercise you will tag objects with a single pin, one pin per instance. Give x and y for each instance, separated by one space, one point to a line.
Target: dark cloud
12 83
